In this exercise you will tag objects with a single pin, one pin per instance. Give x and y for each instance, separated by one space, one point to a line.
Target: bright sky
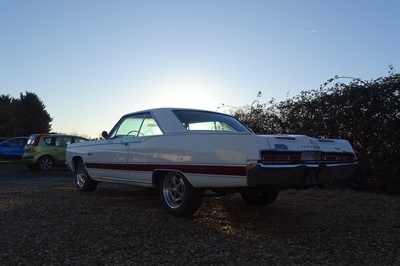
92 61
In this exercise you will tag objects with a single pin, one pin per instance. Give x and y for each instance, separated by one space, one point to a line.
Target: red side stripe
194 169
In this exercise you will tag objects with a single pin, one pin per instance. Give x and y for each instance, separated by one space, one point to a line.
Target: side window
212 125
128 127
49 141
136 126
203 120
149 127
63 141
15 142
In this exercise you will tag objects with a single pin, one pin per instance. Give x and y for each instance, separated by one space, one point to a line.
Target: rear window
78 139
31 140
202 120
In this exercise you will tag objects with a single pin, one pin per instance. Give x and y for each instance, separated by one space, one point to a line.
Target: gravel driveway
44 220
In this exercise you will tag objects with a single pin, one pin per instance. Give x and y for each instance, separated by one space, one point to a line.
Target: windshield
137 125
203 120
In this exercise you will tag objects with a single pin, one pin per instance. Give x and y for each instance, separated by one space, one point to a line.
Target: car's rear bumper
28 159
297 175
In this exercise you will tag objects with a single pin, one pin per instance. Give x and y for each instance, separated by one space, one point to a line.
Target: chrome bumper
297 175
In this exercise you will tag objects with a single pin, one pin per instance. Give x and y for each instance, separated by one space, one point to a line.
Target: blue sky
93 61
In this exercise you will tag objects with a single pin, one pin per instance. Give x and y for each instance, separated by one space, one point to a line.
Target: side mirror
104 134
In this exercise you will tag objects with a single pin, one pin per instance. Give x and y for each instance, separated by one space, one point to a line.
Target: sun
190 98
188 93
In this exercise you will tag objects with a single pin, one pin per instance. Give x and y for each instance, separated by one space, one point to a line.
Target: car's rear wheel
83 180
45 163
178 196
259 197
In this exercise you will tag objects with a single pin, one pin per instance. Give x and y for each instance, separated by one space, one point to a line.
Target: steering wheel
136 133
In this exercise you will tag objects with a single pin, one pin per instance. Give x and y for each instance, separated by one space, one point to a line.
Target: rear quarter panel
206 159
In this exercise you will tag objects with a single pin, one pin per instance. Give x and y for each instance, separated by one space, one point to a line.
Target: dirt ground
44 220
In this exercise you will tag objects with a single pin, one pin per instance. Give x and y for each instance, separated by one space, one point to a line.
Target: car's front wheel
178 196
83 180
259 197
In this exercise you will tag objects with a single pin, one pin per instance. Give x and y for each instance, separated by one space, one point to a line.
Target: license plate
311 177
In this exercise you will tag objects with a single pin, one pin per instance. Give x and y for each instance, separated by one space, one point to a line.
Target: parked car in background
185 152
13 148
44 151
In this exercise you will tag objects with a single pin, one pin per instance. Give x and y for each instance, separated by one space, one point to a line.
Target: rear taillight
338 157
274 156
324 157
36 142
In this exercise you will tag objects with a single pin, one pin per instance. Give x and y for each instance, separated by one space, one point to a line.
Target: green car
44 151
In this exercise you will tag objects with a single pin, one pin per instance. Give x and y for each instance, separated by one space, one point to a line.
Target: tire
178 196
259 197
83 180
45 163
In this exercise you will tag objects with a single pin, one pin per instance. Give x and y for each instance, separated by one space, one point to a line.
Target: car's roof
57 135
170 109
5 140
168 120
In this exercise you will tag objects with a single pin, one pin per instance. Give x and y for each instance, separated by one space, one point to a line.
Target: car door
8 148
13 148
108 160
139 157
60 145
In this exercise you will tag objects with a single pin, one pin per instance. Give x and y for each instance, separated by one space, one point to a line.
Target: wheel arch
74 162
177 195
39 161
158 174
45 155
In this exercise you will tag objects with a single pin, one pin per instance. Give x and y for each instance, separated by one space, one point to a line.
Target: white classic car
185 152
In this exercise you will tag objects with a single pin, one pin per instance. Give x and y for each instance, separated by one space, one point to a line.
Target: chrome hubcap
80 176
174 190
